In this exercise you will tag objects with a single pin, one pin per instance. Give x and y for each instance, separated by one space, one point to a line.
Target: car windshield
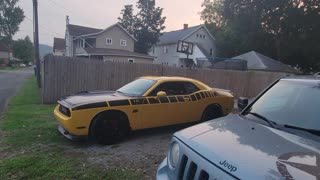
137 87
291 103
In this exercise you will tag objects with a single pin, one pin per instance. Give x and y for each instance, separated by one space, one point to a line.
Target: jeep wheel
211 112
109 130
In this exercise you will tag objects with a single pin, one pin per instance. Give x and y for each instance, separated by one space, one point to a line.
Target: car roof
200 84
174 78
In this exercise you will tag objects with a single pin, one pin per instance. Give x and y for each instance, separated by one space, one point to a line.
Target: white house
165 51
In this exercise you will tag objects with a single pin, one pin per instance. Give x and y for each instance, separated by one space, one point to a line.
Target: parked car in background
147 102
274 137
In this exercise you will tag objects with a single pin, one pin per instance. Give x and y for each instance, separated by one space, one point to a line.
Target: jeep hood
90 97
257 151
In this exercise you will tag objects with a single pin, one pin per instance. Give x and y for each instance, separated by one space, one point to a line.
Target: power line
67 10
42 27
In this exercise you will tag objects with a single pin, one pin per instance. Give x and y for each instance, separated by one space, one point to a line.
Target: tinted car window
190 88
137 87
175 88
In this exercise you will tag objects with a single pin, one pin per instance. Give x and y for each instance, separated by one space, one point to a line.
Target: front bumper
163 170
73 137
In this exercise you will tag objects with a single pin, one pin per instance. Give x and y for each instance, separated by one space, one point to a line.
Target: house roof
115 52
75 30
82 31
59 44
204 52
175 36
257 61
4 48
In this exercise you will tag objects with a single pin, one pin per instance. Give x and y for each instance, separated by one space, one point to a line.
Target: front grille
188 170
65 111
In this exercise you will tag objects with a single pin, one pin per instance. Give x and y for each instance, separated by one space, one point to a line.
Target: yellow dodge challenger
147 102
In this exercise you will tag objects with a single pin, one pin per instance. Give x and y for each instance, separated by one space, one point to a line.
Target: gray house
111 44
165 51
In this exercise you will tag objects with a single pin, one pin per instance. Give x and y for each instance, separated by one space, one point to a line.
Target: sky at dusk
99 14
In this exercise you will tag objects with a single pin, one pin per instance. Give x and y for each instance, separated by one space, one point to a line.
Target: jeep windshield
290 104
137 87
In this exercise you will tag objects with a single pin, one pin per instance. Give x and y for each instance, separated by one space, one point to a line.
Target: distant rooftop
257 61
59 44
175 36
4 48
76 30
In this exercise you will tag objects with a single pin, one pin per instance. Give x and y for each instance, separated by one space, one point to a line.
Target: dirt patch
142 151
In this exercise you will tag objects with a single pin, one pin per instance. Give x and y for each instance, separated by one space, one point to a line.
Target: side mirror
242 102
161 94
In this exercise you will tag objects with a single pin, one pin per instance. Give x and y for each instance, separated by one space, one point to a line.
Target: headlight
174 154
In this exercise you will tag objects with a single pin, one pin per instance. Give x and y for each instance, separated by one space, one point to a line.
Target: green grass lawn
32 148
8 68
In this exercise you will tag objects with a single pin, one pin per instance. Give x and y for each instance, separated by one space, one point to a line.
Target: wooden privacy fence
64 75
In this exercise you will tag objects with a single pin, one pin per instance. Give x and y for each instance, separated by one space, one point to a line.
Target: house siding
116 34
69 44
206 43
125 59
171 58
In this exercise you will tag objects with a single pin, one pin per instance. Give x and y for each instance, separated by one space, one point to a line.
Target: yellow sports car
147 102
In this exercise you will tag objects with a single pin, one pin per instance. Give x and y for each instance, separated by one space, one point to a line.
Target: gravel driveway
142 151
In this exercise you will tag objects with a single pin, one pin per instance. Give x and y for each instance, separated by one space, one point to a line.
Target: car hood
249 150
90 97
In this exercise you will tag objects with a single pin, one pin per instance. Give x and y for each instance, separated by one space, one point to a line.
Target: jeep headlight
174 154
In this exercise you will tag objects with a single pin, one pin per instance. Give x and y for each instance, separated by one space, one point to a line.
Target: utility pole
36 41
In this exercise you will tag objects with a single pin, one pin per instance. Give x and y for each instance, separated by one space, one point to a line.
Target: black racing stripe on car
153 100
212 93
202 95
173 99
124 102
164 100
198 96
90 106
193 97
138 101
180 98
206 94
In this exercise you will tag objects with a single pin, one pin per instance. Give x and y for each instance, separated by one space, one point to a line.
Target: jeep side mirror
242 102
161 94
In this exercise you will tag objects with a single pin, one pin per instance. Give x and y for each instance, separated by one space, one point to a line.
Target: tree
23 50
11 16
285 30
146 25
127 20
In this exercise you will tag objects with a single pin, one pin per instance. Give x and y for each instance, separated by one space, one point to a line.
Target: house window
211 51
204 36
131 60
108 41
165 49
201 36
123 42
197 35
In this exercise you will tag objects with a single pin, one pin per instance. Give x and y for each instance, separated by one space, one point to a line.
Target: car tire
211 112
109 129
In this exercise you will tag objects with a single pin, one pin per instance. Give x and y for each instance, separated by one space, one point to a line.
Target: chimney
185 26
67 20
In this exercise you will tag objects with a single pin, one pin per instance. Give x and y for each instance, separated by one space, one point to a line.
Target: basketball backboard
185 47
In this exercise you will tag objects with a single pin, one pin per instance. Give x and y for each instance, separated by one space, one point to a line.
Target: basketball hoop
185 47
